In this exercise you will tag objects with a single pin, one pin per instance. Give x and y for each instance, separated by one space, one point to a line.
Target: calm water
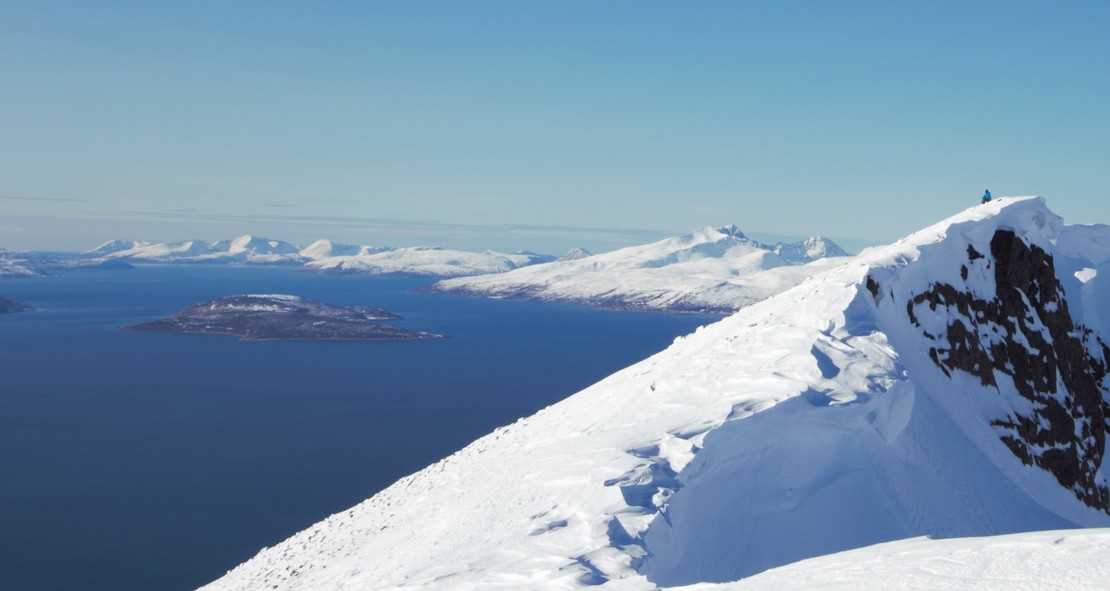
158 461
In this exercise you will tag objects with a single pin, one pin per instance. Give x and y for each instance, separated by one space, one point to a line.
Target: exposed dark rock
267 317
1026 335
873 287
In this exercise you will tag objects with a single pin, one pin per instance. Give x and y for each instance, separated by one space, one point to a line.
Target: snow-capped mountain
425 260
574 254
708 270
244 249
810 249
323 256
326 248
950 384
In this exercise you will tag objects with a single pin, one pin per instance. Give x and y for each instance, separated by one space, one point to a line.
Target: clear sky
541 125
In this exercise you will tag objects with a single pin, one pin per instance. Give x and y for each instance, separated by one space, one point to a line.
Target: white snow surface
710 269
424 260
244 249
321 256
1061 560
804 425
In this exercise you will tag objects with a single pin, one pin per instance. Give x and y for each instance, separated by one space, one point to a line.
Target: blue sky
541 125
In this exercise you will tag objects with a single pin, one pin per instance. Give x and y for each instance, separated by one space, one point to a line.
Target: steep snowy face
953 394
1019 338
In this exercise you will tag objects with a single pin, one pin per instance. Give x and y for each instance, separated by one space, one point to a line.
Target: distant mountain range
708 270
321 256
325 256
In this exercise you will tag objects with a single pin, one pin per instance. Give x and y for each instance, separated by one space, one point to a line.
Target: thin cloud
20 198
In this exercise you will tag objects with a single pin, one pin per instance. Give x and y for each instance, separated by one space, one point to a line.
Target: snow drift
950 384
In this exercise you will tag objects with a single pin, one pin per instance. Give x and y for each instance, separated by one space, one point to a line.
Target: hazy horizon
26 234
864 120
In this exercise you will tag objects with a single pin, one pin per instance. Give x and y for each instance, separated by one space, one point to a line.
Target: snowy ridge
425 260
323 256
574 254
708 270
832 416
244 249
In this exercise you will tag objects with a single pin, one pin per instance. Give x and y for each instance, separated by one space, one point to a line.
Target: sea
140 461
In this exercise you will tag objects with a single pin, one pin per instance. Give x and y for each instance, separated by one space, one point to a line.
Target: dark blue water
133 460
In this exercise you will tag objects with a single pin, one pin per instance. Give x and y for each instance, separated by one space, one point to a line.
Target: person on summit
986 196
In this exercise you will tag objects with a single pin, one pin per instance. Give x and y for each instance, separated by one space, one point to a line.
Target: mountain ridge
811 422
714 270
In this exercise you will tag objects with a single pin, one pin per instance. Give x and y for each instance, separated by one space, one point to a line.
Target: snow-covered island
952 384
715 270
268 317
8 306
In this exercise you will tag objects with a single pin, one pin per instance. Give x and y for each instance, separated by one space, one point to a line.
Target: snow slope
1063 560
708 270
897 395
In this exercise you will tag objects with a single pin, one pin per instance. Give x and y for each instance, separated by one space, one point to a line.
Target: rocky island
270 317
7 306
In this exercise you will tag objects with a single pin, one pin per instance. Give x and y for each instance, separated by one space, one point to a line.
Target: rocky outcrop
268 317
1026 335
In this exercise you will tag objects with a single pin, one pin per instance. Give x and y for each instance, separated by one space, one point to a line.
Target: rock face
8 306
268 317
1026 335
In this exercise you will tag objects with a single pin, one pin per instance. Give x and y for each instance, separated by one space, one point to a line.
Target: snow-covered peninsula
715 270
950 384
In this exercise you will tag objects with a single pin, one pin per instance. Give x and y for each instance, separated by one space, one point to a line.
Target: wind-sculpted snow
715 270
1062 560
813 422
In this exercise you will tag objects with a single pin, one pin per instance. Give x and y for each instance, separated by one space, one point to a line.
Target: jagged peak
732 230
575 254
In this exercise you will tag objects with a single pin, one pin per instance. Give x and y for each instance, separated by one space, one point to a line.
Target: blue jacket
986 196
